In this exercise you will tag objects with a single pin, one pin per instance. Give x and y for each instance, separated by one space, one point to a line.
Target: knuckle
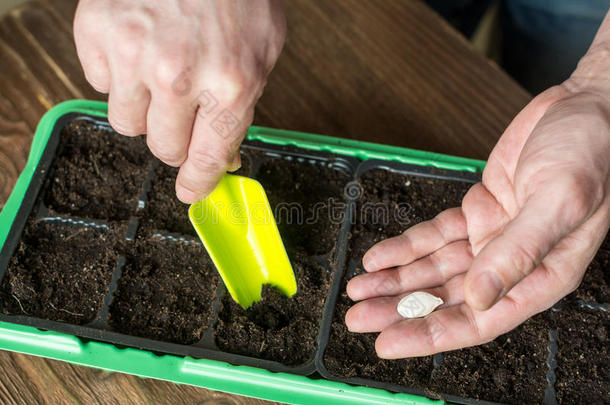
169 155
437 261
524 259
123 126
573 283
171 71
471 321
390 284
584 194
128 40
432 329
210 161
438 228
233 85
406 243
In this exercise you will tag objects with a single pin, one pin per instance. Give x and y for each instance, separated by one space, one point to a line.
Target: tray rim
211 374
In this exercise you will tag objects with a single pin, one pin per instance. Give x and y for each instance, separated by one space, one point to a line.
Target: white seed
418 304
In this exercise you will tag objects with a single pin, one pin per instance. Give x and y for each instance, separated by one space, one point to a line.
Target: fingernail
368 262
487 289
235 167
187 196
349 289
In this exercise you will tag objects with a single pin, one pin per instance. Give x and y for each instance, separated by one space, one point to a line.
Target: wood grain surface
384 71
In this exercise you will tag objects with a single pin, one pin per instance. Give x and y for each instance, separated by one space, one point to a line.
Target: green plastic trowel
237 228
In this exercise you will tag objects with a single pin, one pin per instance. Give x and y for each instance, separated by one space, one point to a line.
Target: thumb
213 150
548 215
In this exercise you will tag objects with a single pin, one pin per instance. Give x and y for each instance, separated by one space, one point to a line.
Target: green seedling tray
211 374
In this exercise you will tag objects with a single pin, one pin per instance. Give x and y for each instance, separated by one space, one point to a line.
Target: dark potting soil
277 327
168 288
98 173
350 355
390 203
583 369
595 285
510 369
163 209
165 292
59 273
307 201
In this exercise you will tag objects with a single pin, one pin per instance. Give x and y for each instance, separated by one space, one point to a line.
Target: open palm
520 242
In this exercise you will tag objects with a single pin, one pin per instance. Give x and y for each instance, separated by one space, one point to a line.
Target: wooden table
384 71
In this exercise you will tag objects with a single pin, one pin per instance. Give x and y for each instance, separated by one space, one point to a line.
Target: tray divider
350 267
208 340
147 184
101 320
550 395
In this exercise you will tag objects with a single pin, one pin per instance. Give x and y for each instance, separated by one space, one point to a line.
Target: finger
547 216
210 154
481 208
418 241
169 127
509 147
376 314
93 60
459 326
95 67
127 107
447 329
427 272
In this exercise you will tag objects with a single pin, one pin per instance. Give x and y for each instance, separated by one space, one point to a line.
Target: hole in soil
97 174
58 273
278 328
168 287
166 291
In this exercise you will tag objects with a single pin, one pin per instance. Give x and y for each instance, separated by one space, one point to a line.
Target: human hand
521 240
187 73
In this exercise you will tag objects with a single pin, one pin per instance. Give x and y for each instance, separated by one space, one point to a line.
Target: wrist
592 75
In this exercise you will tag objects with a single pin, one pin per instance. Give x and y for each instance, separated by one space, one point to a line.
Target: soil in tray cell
98 173
307 201
390 203
277 327
58 273
595 285
164 211
165 292
351 355
583 369
510 369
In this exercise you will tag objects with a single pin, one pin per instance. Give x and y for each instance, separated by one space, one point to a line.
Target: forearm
593 71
